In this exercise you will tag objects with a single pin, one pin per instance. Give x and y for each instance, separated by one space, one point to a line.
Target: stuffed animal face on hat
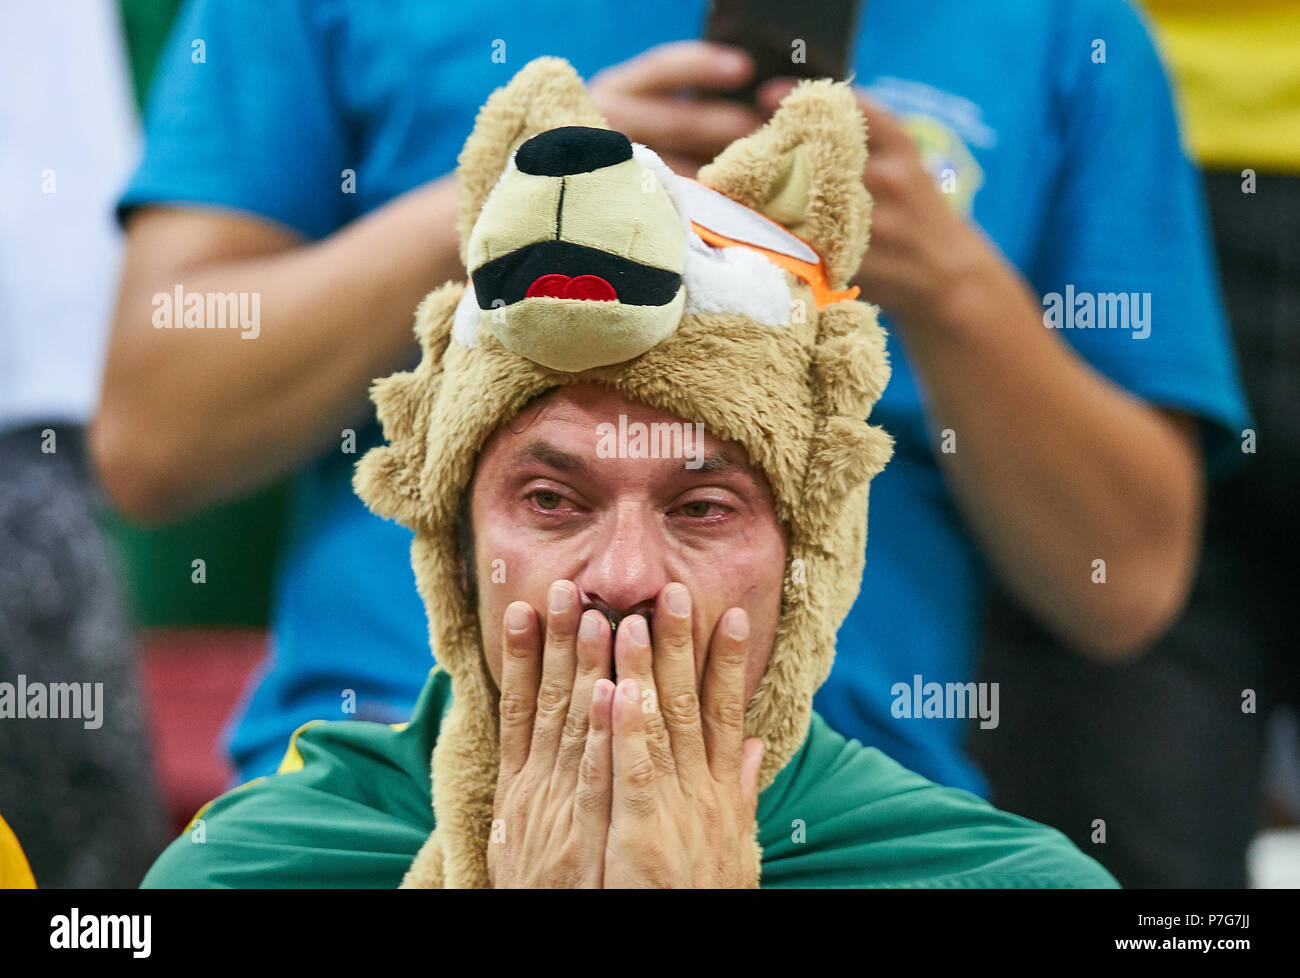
561 283
589 250
721 302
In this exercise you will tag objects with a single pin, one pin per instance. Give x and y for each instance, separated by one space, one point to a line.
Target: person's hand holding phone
660 98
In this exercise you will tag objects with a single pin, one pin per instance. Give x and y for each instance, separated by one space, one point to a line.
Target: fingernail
736 624
631 690
559 598
589 624
636 628
679 601
517 616
731 61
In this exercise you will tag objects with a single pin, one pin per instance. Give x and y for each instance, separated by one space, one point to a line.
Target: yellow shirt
1237 65
15 874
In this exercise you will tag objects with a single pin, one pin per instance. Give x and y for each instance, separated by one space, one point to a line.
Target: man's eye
698 508
548 500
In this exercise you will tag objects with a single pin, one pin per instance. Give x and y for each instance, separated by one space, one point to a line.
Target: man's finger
685 64
558 665
592 797
772 91
697 128
520 668
593 656
635 774
632 659
674 670
724 694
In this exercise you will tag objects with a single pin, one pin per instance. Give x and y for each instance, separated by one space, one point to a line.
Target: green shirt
351 807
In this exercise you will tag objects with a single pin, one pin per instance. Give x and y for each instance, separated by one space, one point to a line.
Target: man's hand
553 794
685 781
641 98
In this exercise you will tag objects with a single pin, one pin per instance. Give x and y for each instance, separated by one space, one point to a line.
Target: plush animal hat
721 301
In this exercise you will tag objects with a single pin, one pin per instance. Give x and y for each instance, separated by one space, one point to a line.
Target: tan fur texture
795 397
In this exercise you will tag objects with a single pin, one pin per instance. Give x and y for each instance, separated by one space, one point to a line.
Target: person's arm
1054 466
189 417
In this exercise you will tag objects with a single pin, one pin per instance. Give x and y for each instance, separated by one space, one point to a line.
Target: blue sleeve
240 116
1130 216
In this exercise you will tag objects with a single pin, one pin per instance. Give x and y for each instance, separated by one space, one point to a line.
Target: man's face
546 506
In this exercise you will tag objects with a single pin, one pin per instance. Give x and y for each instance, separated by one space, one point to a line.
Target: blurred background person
300 153
1168 752
80 798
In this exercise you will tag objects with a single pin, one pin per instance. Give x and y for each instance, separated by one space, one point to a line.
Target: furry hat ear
546 93
390 478
803 169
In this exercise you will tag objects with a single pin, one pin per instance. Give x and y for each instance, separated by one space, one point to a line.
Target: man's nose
626 571
572 149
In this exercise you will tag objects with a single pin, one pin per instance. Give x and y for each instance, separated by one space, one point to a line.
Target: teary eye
547 500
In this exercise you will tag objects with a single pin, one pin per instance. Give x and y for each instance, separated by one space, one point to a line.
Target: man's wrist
965 277
973 286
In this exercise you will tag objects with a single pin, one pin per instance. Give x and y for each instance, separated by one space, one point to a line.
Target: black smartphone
786 39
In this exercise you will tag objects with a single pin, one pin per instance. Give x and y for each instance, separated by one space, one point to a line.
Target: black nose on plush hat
568 150
577 258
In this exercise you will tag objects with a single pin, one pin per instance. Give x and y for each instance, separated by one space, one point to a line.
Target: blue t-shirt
1070 163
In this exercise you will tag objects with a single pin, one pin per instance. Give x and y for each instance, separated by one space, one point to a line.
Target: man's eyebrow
548 454
717 462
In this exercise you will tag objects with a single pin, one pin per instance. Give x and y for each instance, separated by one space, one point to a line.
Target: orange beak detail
735 225
813 274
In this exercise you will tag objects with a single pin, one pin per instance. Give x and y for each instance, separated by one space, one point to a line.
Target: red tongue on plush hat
578 287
